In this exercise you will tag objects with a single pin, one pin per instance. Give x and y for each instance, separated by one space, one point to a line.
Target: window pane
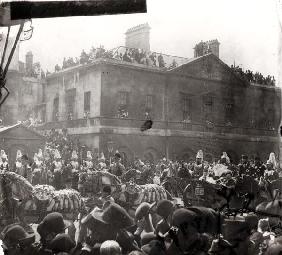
87 96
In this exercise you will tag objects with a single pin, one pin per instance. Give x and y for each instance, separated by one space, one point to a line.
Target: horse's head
131 188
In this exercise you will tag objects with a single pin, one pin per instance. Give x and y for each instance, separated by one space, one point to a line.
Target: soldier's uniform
198 166
117 168
258 168
89 163
244 167
4 165
57 169
73 171
37 171
102 165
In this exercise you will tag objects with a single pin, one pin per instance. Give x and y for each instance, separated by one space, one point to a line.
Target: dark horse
245 193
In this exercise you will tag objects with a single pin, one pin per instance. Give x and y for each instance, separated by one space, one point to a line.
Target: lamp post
110 147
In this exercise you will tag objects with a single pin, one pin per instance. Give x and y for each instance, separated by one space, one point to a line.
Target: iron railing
158 125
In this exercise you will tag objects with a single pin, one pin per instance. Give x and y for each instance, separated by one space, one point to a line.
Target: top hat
53 223
114 215
15 234
62 243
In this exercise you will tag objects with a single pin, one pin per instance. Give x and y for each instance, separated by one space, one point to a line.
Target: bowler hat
62 243
15 234
53 223
164 208
142 210
114 215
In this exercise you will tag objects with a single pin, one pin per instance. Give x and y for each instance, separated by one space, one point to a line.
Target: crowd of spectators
252 77
85 58
139 56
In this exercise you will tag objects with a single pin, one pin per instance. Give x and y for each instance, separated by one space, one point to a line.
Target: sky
248 32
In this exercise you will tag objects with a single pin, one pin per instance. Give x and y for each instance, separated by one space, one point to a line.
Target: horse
23 202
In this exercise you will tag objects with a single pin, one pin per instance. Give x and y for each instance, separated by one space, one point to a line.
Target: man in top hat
117 168
244 166
104 224
57 166
16 241
19 169
4 165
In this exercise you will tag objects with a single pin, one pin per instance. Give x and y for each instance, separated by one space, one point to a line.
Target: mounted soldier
19 169
74 175
244 166
89 163
117 168
102 165
57 169
47 175
258 168
4 165
198 166
36 171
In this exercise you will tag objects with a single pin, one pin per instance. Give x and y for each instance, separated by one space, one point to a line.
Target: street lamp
110 147
26 33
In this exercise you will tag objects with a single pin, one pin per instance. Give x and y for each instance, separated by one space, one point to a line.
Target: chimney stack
29 62
203 48
138 37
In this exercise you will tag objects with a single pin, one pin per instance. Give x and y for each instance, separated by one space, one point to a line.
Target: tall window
56 109
208 108
229 111
87 97
123 104
123 98
149 103
70 103
186 107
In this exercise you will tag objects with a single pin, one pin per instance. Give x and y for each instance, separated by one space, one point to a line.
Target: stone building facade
201 104
26 87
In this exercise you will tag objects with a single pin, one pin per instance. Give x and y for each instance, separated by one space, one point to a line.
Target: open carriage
22 202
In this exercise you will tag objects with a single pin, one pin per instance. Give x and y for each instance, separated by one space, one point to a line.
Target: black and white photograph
141 127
